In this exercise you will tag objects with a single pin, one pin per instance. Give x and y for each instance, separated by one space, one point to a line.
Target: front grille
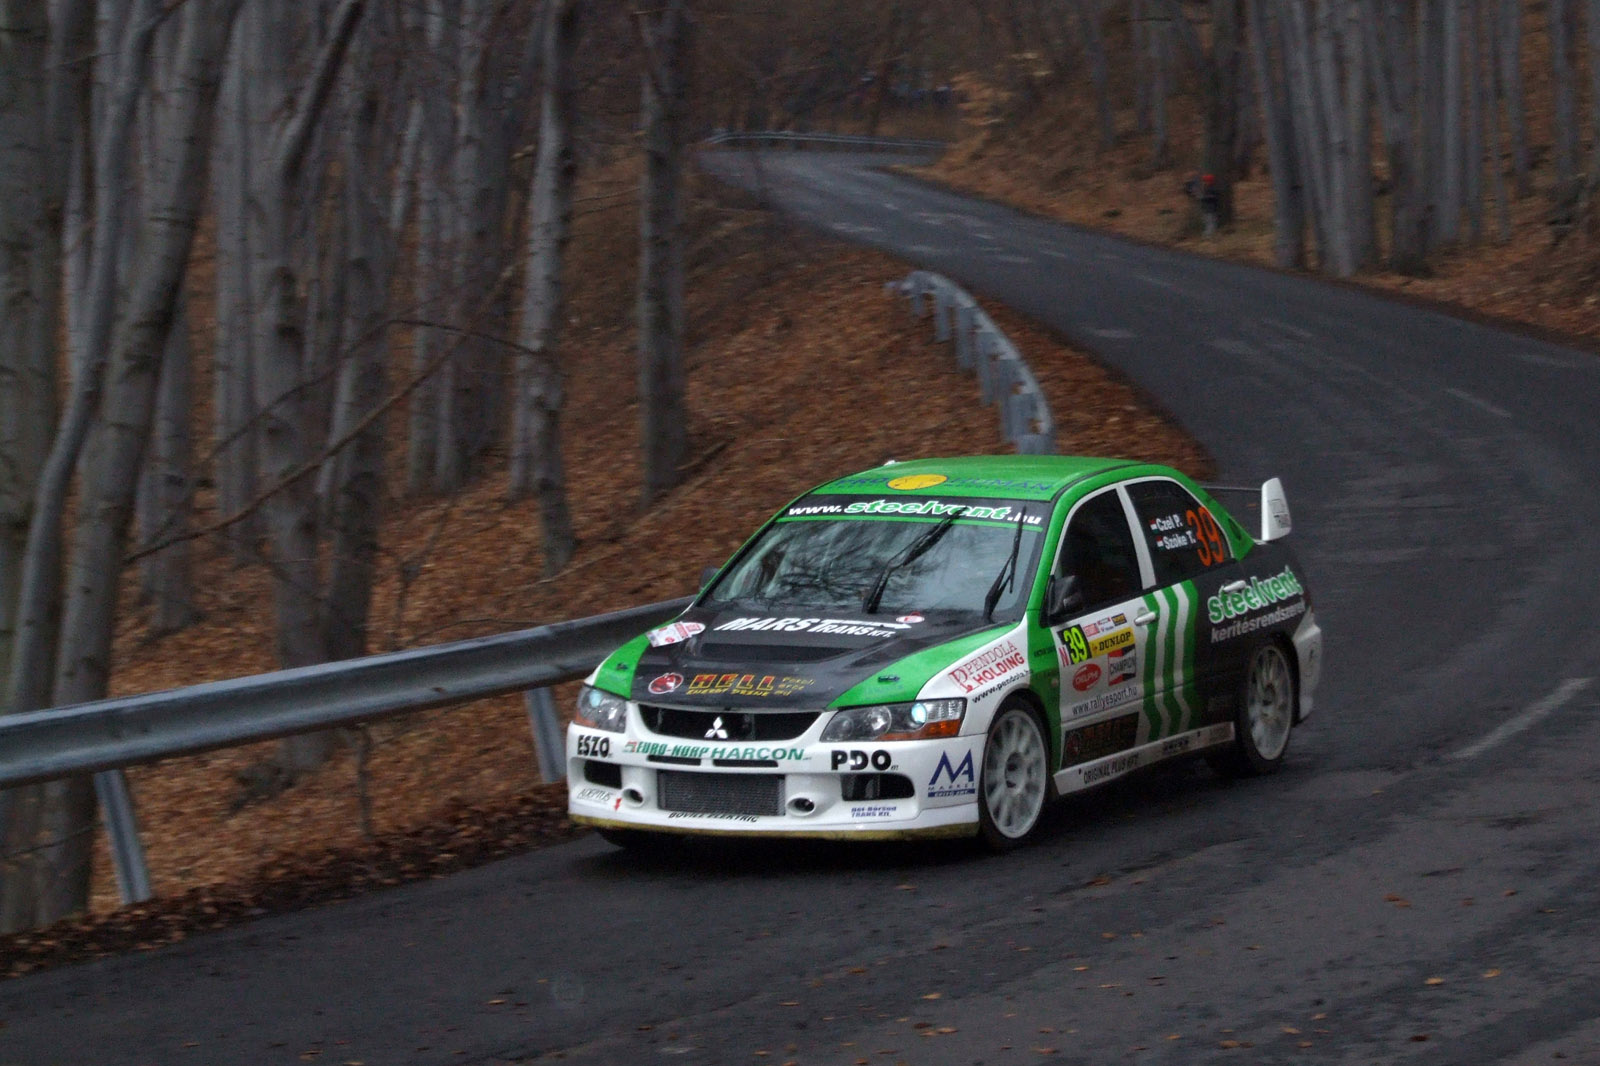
726 725
768 653
692 793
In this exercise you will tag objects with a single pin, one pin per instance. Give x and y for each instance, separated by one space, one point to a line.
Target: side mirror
1063 597
708 575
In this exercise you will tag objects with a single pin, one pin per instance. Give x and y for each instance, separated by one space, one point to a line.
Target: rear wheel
1265 716
1015 784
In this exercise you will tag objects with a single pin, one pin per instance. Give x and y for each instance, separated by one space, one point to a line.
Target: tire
1265 716
1015 785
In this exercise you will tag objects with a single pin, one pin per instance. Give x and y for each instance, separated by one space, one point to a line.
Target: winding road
1420 884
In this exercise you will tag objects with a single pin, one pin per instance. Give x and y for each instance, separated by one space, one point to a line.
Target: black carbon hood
767 657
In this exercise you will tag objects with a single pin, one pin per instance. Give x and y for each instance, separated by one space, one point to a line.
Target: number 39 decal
1209 547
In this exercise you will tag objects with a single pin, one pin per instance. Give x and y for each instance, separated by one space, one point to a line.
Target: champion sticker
665 683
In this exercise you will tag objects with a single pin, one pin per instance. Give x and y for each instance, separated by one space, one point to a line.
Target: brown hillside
1045 160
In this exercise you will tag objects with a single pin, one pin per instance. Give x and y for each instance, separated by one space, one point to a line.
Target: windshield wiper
913 552
1008 572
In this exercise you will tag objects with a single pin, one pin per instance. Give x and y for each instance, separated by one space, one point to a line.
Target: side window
1183 536
1099 549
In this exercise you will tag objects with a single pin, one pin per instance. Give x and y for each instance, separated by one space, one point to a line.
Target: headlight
600 710
921 720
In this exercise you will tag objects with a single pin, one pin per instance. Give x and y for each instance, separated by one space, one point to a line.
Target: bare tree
166 487
537 468
436 212
279 345
1510 41
356 494
1288 199
667 34
1094 50
232 363
28 251
1559 15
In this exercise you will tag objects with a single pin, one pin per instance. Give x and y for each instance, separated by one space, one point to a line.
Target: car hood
769 657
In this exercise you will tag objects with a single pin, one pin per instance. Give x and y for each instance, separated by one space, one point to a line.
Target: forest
272 271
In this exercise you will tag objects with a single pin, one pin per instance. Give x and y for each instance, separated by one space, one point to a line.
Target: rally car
941 647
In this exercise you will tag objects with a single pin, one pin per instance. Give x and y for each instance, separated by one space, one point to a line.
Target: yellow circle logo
918 481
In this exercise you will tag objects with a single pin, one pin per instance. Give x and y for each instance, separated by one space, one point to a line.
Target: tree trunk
1497 171
470 409
1390 45
1450 155
42 124
537 468
166 488
434 248
233 374
1564 88
27 359
1592 25
1288 197
1358 115
290 511
1311 146
1332 124
1510 39
1472 172
357 496
1160 39
663 410
1094 50
40 585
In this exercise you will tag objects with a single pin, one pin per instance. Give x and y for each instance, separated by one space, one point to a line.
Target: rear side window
1184 537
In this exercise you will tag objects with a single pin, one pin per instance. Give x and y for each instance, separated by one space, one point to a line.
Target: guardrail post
985 347
548 742
127 851
963 335
1035 444
941 316
1018 411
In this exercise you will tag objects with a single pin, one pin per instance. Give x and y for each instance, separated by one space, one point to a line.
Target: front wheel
1015 784
1265 716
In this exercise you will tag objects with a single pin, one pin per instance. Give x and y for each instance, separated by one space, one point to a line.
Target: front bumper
798 787
1308 656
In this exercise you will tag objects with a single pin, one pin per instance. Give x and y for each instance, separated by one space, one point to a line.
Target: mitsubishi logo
717 732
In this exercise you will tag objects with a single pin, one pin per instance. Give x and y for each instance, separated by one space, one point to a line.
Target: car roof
1017 477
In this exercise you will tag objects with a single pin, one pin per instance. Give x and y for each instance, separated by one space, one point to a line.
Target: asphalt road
1420 884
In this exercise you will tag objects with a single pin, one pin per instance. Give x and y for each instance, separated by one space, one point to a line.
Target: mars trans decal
844 627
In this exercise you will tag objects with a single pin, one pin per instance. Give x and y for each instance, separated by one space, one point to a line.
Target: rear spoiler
1268 505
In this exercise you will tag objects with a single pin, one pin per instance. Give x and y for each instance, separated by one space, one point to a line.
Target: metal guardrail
1004 377
111 734
839 142
108 735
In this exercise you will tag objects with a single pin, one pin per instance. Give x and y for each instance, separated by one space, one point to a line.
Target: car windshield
926 563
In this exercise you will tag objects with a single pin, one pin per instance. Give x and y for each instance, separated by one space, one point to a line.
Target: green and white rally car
940 647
